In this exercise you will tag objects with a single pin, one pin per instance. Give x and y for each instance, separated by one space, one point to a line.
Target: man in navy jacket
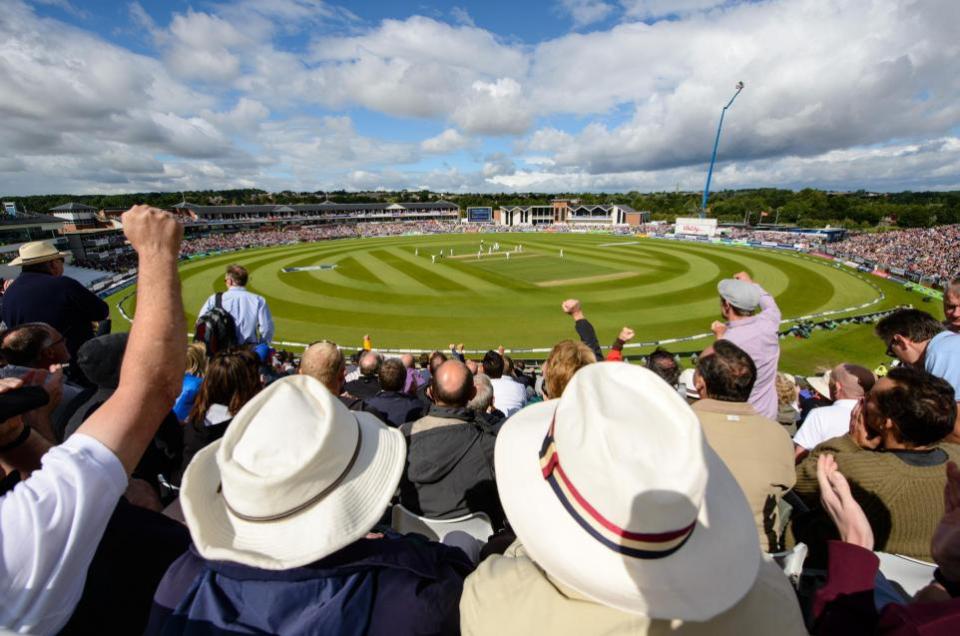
43 294
282 512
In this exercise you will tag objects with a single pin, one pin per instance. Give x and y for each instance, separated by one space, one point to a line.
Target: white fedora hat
295 478
37 252
614 492
686 384
821 383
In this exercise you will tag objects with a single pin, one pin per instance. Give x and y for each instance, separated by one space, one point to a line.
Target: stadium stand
921 252
281 522
86 276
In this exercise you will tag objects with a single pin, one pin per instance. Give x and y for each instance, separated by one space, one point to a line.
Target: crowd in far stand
786 238
269 237
224 488
925 251
930 252
282 236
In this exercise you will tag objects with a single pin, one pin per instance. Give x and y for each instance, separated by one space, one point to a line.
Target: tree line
807 207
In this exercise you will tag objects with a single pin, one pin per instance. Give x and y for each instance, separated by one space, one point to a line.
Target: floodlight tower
716 142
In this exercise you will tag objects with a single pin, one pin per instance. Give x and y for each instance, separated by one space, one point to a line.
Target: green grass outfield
662 289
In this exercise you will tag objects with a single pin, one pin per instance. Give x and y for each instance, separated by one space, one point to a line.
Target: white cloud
308 148
142 19
650 9
585 12
447 141
423 40
81 114
242 119
289 15
200 46
933 165
461 16
494 108
811 87
64 5
496 165
547 140
226 95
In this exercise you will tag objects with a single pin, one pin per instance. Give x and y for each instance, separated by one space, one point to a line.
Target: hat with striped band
614 492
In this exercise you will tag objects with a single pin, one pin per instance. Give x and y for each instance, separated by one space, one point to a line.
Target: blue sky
550 95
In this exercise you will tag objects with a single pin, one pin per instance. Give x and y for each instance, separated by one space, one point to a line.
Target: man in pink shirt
755 333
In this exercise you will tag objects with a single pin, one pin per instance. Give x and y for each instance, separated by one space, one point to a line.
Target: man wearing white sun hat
626 520
281 510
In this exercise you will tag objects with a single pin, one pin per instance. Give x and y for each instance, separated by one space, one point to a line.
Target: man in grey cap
755 333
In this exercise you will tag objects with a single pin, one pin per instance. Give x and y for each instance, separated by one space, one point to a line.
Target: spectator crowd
774 236
224 487
930 252
216 242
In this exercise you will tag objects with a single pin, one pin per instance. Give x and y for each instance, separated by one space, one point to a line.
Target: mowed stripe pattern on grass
389 287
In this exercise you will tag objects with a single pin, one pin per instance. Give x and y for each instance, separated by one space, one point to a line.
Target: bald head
850 382
324 362
407 360
453 384
370 363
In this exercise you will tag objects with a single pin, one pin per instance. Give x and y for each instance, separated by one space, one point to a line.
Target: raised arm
584 329
152 371
768 306
616 349
51 523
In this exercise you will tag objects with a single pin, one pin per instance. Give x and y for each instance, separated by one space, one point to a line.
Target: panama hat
295 478
37 252
614 492
821 383
686 385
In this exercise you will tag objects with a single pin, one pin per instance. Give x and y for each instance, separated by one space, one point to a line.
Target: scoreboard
479 215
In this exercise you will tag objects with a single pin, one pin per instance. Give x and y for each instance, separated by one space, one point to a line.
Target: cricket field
402 292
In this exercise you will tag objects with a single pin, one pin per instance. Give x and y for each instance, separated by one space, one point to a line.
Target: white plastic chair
476 524
909 574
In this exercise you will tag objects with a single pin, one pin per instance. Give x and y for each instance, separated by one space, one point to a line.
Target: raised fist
152 231
570 306
719 329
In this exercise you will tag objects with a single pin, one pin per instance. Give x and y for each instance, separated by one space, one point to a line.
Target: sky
103 96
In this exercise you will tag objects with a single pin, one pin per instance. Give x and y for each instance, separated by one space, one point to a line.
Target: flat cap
740 294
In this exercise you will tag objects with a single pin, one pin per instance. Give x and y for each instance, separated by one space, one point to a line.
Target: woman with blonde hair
192 379
788 396
566 358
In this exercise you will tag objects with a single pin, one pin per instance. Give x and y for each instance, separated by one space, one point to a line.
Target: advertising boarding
695 227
